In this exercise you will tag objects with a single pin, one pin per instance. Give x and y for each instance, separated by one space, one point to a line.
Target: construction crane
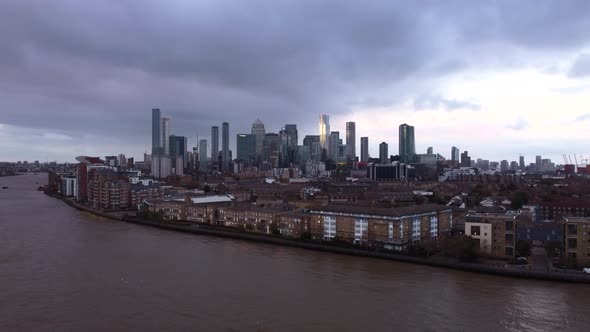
576 158
564 158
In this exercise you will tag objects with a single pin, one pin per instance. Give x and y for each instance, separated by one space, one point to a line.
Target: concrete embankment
279 240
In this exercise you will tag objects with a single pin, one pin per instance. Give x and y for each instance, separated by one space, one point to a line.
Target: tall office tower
289 139
246 146
203 155
538 163
156 136
383 153
455 154
177 151
271 149
258 131
504 165
292 134
121 160
465 159
214 144
325 132
311 146
333 146
350 140
165 132
407 146
160 159
225 147
364 149
521 163
430 151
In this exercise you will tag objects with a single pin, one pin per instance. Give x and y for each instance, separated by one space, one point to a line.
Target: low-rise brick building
140 192
569 208
392 228
107 191
247 215
496 233
294 224
576 232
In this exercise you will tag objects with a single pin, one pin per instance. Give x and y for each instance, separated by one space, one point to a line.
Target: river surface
66 270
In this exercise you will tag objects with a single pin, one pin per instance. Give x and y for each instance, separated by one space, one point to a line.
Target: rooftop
208 199
379 211
577 219
485 217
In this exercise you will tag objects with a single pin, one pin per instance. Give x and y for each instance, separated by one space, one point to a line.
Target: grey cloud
580 67
436 102
99 67
519 124
583 117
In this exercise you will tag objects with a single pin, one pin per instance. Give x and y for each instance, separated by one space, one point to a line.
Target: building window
509 251
329 228
416 230
509 225
510 238
572 229
433 226
390 231
361 227
572 243
475 230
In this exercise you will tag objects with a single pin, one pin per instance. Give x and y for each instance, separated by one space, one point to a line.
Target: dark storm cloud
100 66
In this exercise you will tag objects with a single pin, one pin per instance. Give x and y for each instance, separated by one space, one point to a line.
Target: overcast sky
497 78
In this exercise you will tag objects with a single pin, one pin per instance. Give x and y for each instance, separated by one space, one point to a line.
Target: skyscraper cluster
169 152
267 150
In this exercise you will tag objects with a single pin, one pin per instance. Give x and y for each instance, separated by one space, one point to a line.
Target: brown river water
66 270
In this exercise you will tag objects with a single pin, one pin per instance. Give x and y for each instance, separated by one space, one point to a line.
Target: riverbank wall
441 262
82 207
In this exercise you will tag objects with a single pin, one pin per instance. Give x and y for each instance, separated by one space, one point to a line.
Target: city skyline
373 151
423 64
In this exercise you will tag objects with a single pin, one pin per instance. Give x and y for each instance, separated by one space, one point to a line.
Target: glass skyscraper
203 154
225 147
214 144
325 132
384 153
364 149
407 146
246 148
350 140
156 122
258 131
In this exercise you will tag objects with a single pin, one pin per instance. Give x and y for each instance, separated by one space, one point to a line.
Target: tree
523 248
306 236
518 199
274 229
462 247
207 188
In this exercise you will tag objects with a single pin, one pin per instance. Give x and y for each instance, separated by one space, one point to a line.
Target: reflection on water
62 269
